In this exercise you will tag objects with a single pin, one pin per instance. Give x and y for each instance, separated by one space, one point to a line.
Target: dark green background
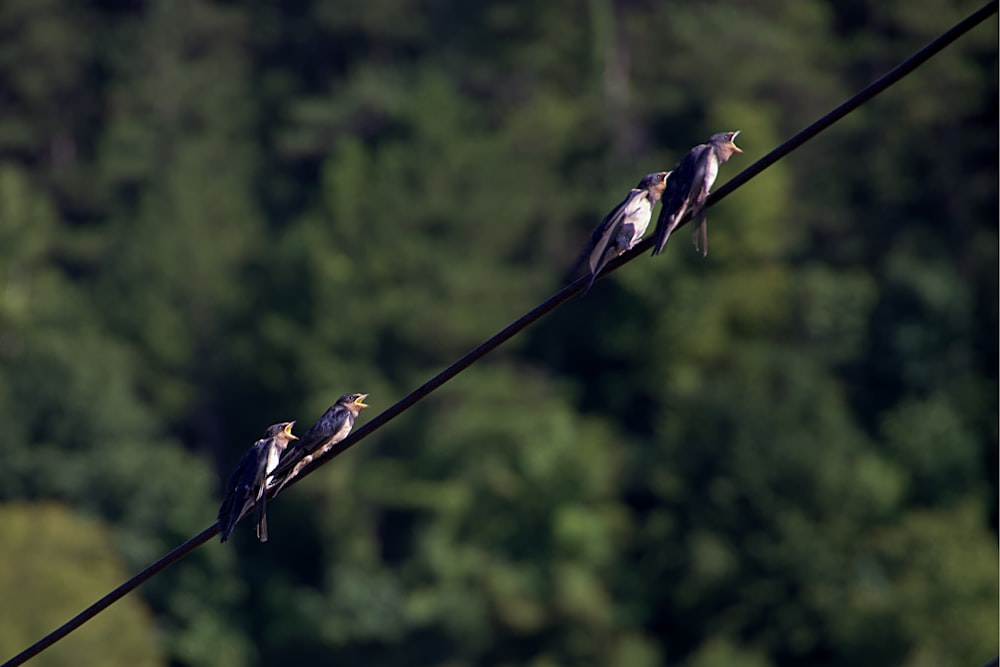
219 215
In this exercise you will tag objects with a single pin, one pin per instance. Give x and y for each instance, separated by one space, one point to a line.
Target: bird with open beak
247 485
688 188
335 425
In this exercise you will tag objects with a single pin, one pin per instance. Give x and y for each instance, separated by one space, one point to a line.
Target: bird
623 227
335 425
247 485
688 188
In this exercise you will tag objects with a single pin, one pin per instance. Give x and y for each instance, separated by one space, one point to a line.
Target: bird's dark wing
325 428
682 187
292 455
600 236
311 440
228 514
614 225
708 170
241 491
606 232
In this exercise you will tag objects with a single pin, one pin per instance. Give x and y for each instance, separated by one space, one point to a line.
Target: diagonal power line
568 292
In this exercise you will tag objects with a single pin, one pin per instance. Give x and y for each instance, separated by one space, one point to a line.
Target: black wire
866 94
568 292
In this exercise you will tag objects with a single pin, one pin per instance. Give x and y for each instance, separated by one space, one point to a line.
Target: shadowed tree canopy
57 562
219 216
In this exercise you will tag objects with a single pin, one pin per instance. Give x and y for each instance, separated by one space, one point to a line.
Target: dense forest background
219 215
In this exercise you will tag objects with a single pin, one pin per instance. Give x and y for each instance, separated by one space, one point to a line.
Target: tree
53 563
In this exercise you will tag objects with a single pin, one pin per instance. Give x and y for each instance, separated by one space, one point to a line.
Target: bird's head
353 402
723 144
282 432
654 182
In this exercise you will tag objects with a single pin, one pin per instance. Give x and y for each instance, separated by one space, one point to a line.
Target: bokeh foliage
216 216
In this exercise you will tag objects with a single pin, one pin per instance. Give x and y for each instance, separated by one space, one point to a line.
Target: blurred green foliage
53 563
216 216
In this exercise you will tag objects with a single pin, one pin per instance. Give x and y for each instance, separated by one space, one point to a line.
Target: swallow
335 425
248 483
688 188
624 226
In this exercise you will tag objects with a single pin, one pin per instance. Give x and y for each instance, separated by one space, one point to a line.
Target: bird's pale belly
341 433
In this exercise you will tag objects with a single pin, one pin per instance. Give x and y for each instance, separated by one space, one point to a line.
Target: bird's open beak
360 401
732 142
288 431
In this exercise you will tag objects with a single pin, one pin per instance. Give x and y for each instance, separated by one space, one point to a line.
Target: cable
520 324
866 94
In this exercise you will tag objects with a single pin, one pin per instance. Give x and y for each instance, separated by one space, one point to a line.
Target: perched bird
248 484
623 226
331 428
689 186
